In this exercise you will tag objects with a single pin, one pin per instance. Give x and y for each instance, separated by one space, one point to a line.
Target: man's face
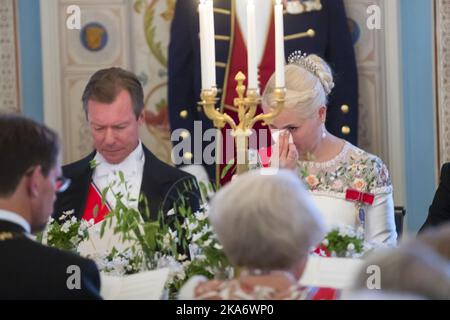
114 127
45 195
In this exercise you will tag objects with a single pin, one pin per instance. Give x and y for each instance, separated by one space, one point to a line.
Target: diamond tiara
302 60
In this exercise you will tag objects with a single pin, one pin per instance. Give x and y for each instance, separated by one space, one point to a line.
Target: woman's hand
286 152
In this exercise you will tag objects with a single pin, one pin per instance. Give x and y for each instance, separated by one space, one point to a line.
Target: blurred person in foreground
267 225
30 178
411 271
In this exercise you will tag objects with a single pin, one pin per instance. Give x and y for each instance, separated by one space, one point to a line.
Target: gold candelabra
246 106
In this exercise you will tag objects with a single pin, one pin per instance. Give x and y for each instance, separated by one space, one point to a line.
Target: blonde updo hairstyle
306 90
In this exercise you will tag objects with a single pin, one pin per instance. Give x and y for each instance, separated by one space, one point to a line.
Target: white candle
203 45
279 45
211 43
251 46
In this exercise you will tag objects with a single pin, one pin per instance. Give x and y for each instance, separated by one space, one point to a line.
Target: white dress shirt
15 218
106 174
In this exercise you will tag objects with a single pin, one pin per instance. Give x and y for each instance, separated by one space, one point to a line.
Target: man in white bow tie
113 101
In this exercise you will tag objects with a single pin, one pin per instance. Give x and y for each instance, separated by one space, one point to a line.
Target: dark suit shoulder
59 255
41 272
165 173
445 173
78 167
439 211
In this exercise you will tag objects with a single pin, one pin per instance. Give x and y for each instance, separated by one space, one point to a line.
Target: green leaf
211 187
122 177
102 228
227 168
138 6
203 189
40 236
95 211
104 192
93 164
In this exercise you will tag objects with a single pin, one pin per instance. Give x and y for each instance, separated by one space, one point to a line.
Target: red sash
358 196
326 294
238 62
94 200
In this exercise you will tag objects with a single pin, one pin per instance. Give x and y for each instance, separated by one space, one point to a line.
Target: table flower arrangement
181 240
67 232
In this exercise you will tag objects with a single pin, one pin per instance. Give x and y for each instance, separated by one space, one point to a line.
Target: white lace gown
358 170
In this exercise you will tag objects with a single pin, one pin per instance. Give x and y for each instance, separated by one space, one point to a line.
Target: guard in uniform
313 26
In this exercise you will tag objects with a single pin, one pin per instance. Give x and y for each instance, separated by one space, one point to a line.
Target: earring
324 134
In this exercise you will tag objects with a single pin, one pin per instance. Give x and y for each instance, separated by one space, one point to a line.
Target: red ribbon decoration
358 196
322 250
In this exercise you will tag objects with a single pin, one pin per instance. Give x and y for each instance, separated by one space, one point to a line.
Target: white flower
351 247
200 216
65 214
192 226
218 246
171 212
196 236
182 257
74 240
166 241
346 231
360 232
207 243
66 227
194 250
200 257
204 207
325 242
181 275
169 262
206 228
173 235
82 227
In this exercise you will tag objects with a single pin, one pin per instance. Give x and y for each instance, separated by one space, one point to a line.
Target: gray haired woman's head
410 269
266 222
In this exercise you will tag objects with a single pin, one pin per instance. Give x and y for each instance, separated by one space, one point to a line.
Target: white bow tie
106 169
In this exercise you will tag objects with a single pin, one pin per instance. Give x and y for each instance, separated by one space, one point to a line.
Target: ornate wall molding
442 27
70 57
380 111
112 33
9 69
